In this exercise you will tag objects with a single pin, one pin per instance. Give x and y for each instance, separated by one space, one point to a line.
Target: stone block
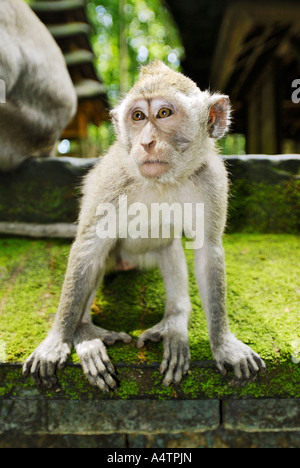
262 415
107 417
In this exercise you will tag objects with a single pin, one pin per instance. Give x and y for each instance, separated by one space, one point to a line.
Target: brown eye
163 113
138 115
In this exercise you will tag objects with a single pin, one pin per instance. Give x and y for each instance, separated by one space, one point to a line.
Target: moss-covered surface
42 191
264 207
263 297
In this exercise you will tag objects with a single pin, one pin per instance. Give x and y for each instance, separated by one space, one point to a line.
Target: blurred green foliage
128 34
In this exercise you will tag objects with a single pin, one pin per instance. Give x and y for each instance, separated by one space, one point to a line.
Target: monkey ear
219 115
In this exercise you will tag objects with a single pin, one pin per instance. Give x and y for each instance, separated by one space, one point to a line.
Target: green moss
263 296
263 207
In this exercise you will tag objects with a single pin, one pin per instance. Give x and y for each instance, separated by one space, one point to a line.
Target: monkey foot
43 363
90 343
176 357
234 354
96 364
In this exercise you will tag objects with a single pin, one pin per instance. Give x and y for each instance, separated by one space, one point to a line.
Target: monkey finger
61 363
166 357
253 367
110 382
222 368
153 334
186 366
237 369
140 343
168 377
112 337
47 374
97 373
170 373
260 363
245 369
35 372
106 361
94 377
179 371
27 366
103 371
88 366
97 381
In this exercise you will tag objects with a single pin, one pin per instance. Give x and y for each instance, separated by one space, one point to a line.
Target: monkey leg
173 329
228 351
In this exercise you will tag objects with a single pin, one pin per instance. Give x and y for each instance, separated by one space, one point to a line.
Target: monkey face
166 123
152 125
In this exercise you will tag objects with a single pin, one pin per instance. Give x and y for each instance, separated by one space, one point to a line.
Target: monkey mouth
154 168
155 162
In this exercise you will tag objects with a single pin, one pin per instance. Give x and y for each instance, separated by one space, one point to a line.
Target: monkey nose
150 145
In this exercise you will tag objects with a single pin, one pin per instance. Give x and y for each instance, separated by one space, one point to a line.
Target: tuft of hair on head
156 74
154 67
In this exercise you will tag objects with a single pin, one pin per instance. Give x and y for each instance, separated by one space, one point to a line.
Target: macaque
165 152
38 98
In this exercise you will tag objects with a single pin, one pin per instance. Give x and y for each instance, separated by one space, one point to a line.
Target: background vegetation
128 34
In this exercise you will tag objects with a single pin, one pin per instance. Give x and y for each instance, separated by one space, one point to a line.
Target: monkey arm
85 271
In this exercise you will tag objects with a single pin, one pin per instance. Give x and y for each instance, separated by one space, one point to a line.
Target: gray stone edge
108 417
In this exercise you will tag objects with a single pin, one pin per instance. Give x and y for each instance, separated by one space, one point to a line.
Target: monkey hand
176 358
49 356
241 358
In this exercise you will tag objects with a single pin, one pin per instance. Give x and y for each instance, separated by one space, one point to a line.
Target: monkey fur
40 98
165 152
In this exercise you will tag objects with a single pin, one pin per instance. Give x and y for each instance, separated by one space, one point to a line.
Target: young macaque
165 153
38 98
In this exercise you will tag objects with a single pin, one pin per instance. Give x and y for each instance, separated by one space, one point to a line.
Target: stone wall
264 196
269 423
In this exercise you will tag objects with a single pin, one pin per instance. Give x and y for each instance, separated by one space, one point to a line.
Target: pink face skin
151 124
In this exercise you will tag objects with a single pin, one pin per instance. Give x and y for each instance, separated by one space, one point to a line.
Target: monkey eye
163 113
138 115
